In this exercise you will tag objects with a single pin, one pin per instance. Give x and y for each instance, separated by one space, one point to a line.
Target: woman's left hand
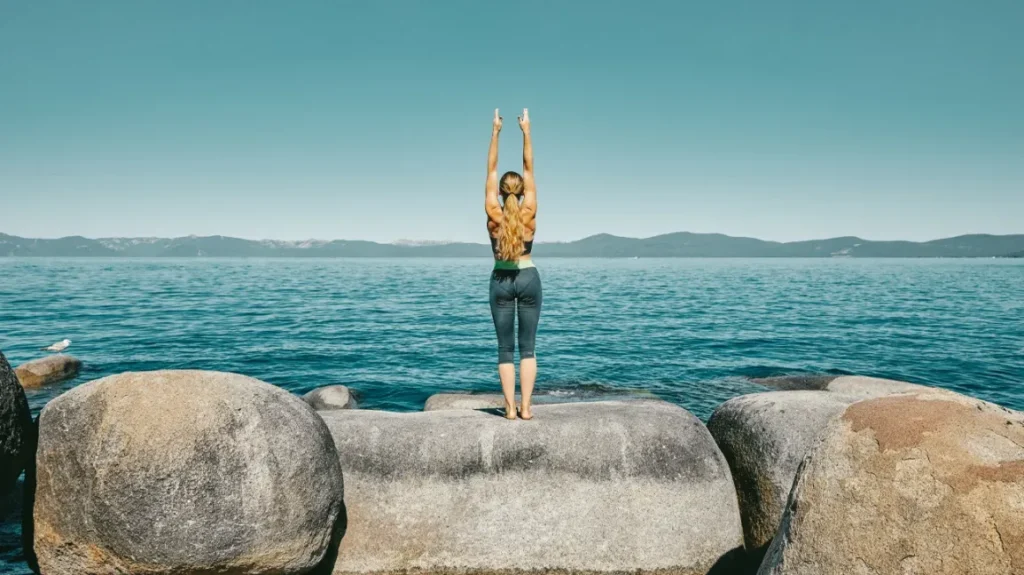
497 121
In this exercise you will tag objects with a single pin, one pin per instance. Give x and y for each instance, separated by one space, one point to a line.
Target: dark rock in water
11 507
861 386
173 472
910 483
795 382
636 486
764 437
47 370
16 428
330 397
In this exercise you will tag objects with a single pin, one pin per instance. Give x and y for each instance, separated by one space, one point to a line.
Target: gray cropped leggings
509 288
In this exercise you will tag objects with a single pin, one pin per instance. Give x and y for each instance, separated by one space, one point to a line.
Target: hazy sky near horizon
370 120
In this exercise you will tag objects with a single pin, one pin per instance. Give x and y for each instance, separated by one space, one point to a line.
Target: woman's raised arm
529 187
491 205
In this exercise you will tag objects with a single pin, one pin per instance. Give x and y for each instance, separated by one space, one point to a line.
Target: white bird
59 346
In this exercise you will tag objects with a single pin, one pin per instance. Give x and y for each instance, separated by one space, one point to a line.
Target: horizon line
406 242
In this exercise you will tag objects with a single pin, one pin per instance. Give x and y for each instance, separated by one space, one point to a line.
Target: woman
511 224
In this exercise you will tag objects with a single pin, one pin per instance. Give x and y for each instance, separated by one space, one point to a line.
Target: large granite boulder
330 397
912 483
47 370
764 437
172 472
16 428
635 486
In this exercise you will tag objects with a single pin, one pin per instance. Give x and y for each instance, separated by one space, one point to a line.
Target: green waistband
520 265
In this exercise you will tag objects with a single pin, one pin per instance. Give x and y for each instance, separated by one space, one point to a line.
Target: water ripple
690 331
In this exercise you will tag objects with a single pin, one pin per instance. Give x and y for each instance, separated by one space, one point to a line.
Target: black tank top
527 246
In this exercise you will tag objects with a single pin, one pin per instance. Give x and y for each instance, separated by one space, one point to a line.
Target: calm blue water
691 331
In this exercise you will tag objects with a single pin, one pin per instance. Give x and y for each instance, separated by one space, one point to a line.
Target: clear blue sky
370 120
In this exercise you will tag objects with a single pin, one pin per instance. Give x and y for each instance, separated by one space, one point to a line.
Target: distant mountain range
682 244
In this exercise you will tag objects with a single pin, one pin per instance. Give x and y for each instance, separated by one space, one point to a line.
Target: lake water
692 331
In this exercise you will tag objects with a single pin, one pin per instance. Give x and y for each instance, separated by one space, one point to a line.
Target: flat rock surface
448 401
910 483
174 472
599 486
868 387
51 369
764 437
15 428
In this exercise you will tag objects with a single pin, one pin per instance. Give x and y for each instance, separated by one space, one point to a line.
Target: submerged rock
173 472
448 401
858 385
16 428
47 370
764 437
796 382
600 487
330 397
910 483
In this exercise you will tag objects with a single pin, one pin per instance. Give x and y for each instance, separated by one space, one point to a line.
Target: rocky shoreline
197 472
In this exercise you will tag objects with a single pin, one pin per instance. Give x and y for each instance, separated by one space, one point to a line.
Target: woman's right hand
497 121
524 121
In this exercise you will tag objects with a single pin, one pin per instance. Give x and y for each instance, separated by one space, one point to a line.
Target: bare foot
510 412
526 414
